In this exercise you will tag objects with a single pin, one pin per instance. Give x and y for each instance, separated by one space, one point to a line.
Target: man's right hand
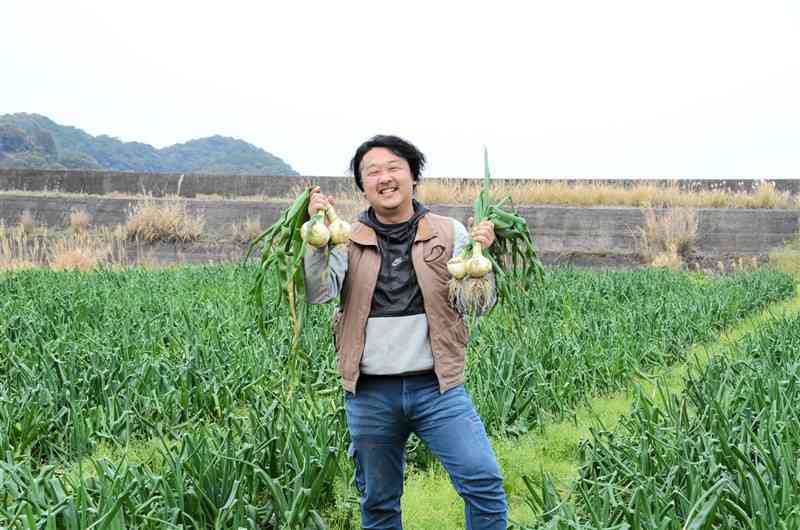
319 201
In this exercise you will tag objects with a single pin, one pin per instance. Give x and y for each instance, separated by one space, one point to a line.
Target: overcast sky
567 88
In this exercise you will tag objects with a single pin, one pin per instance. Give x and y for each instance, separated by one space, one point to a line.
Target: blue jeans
382 414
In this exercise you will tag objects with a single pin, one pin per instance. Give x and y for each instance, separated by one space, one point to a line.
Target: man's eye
393 169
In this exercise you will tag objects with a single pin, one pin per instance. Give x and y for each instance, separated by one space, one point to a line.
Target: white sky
558 88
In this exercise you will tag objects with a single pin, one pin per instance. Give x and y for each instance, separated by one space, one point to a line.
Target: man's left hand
483 233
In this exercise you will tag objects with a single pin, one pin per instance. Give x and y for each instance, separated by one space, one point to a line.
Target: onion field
149 399
724 454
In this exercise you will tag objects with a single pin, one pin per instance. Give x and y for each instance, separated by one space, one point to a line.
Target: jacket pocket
433 252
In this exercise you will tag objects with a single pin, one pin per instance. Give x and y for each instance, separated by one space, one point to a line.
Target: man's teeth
388 190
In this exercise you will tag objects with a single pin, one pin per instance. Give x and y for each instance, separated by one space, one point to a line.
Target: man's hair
395 144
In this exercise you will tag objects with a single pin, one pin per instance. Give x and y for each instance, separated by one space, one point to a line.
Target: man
400 344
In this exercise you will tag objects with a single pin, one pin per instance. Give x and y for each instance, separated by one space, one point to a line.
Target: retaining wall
557 230
191 184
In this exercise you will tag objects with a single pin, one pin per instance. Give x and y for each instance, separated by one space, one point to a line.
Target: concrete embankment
190 185
600 235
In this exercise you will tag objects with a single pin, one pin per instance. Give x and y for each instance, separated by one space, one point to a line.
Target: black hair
395 144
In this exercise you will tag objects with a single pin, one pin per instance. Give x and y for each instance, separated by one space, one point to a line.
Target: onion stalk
282 247
512 257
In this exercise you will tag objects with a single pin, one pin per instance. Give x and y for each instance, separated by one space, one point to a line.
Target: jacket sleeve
324 271
460 240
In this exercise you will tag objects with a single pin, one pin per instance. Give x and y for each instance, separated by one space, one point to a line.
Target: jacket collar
362 234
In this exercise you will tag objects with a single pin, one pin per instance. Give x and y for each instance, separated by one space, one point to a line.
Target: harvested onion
478 266
457 267
339 229
314 232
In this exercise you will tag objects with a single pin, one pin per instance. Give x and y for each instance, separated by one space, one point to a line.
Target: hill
37 142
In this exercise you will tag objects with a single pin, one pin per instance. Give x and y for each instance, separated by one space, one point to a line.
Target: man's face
388 184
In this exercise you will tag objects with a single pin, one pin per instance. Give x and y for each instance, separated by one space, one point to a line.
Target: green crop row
722 455
271 468
589 333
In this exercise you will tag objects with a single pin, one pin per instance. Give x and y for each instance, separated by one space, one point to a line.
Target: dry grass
84 252
26 223
786 261
641 194
81 253
669 259
79 220
666 239
245 198
163 220
110 233
744 264
148 261
765 196
18 251
788 258
246 231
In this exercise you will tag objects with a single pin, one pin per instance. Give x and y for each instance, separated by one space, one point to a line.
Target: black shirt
397 292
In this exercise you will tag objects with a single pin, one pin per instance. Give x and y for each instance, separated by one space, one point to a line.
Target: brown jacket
432 248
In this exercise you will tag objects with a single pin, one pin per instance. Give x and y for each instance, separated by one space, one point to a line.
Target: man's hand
318 202
483 233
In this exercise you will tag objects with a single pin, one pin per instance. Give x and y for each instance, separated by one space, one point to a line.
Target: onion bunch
282 248
512 256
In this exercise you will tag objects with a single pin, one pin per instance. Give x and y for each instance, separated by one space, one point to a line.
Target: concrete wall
54 211
160 184
557 230
191 185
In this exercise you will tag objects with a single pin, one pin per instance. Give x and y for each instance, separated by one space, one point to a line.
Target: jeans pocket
358 476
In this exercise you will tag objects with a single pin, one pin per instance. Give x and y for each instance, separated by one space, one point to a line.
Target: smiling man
400 344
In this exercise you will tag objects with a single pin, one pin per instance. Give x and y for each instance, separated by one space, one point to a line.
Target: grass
163 221
101 247
79 220
18 251
80 253
787 259
640 194
666 239
245 231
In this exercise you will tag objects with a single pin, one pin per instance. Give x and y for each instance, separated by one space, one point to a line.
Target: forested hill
36 142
